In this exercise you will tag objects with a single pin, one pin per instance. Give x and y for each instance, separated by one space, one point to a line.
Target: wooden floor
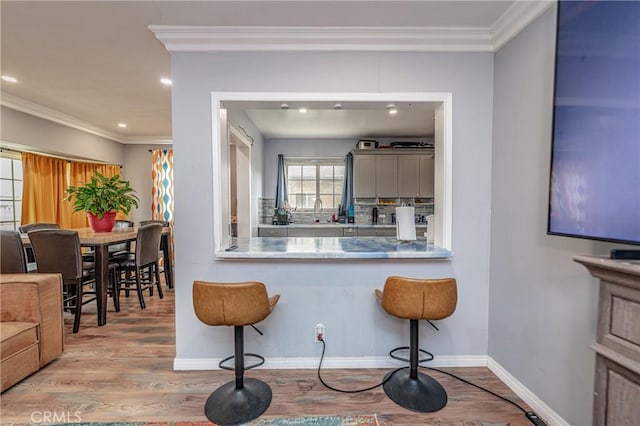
122 372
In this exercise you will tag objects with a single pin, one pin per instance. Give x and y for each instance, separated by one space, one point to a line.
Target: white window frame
16 220
320 161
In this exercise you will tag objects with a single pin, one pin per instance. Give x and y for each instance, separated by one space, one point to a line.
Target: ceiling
94 64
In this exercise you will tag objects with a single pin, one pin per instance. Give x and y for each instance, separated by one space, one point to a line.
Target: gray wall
24 131
137 165
542 311
337 293
326 148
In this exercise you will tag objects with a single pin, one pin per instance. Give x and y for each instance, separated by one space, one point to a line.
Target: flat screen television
595 161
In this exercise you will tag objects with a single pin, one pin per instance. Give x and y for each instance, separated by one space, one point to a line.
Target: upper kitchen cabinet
393 175
364 176
415 175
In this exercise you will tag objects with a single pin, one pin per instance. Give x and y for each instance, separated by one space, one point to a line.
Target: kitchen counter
332 248
336 225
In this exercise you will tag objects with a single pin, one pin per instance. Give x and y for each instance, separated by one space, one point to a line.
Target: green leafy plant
102 195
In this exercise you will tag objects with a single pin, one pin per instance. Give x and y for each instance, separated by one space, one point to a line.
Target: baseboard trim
311 363
541 409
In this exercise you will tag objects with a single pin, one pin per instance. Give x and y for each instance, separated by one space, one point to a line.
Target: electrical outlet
319 333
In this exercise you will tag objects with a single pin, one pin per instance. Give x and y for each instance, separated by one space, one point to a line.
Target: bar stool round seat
417 299
237 305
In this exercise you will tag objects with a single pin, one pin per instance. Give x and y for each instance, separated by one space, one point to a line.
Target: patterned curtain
162 189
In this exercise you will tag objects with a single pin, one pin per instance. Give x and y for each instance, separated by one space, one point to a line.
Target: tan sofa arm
35 298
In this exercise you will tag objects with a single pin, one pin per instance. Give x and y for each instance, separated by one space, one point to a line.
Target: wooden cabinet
312 231
393 175
616 399
426 175
376 232
364 176
272 232
386 176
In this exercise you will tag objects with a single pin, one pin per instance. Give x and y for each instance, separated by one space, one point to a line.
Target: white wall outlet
319 333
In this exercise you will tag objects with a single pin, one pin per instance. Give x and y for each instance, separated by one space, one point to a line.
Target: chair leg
78 310
241 400
139 288
115 290
411 389
157 274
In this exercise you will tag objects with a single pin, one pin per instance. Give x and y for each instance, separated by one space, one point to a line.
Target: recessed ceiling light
166 81
302 110
337 106
284 107
391 109
123 125
9 79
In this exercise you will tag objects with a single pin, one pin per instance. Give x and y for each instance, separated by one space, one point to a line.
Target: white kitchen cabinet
409 175
426 174
387 176
364 176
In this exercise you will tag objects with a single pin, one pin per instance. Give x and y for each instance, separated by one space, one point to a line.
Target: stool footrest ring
247 367
392 354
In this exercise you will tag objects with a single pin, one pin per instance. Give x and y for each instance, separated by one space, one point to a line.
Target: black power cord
324 347
530 415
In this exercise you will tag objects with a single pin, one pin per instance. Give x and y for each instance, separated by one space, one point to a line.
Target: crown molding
22 105
180 38
148 140
396 39
515 19
31 108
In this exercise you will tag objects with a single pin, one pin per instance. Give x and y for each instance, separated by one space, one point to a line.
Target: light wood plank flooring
123 372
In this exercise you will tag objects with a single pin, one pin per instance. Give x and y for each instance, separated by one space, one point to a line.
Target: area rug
319 421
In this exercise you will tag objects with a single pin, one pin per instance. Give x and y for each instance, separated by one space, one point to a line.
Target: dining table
100 242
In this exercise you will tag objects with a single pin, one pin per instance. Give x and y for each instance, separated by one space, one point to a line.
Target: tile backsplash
363 213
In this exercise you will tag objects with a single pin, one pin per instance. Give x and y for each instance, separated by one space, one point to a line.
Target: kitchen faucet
317 207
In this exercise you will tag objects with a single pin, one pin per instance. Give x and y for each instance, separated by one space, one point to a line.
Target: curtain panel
162 188
45 180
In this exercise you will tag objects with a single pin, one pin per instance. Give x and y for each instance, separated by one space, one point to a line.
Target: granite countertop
332 248
335 225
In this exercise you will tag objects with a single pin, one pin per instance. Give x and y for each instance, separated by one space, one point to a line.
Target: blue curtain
281 184
347 188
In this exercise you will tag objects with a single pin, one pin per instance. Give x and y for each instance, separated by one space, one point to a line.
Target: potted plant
102 198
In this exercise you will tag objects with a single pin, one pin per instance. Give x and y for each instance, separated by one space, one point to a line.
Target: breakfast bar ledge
331 248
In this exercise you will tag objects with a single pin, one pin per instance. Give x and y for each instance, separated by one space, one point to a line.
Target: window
309 180
10 191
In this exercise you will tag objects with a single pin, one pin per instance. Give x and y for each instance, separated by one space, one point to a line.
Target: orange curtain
44 182
43 188
79 174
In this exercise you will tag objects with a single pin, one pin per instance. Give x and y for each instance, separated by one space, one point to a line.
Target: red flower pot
102 225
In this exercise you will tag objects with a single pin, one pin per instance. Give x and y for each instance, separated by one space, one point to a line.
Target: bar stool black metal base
230 406
423 394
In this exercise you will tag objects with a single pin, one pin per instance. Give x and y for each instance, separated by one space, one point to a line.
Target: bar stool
417 299
237 305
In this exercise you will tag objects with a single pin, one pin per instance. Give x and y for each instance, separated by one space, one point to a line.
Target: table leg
168 261
102 281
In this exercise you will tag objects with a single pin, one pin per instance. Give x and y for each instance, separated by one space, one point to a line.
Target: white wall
542 311
337 293
325 148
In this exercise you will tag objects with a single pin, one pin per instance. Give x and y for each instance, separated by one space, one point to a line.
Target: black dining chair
142 272
13 258
25 229
58 251
163 241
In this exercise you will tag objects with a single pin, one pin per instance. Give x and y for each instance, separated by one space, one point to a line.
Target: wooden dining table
100 242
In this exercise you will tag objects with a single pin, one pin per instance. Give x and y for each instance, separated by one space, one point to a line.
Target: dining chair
13 256
142 272
163 270
123 249
25 229
58 251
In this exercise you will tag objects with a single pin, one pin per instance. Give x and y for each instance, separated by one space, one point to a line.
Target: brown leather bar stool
237 305
417 299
